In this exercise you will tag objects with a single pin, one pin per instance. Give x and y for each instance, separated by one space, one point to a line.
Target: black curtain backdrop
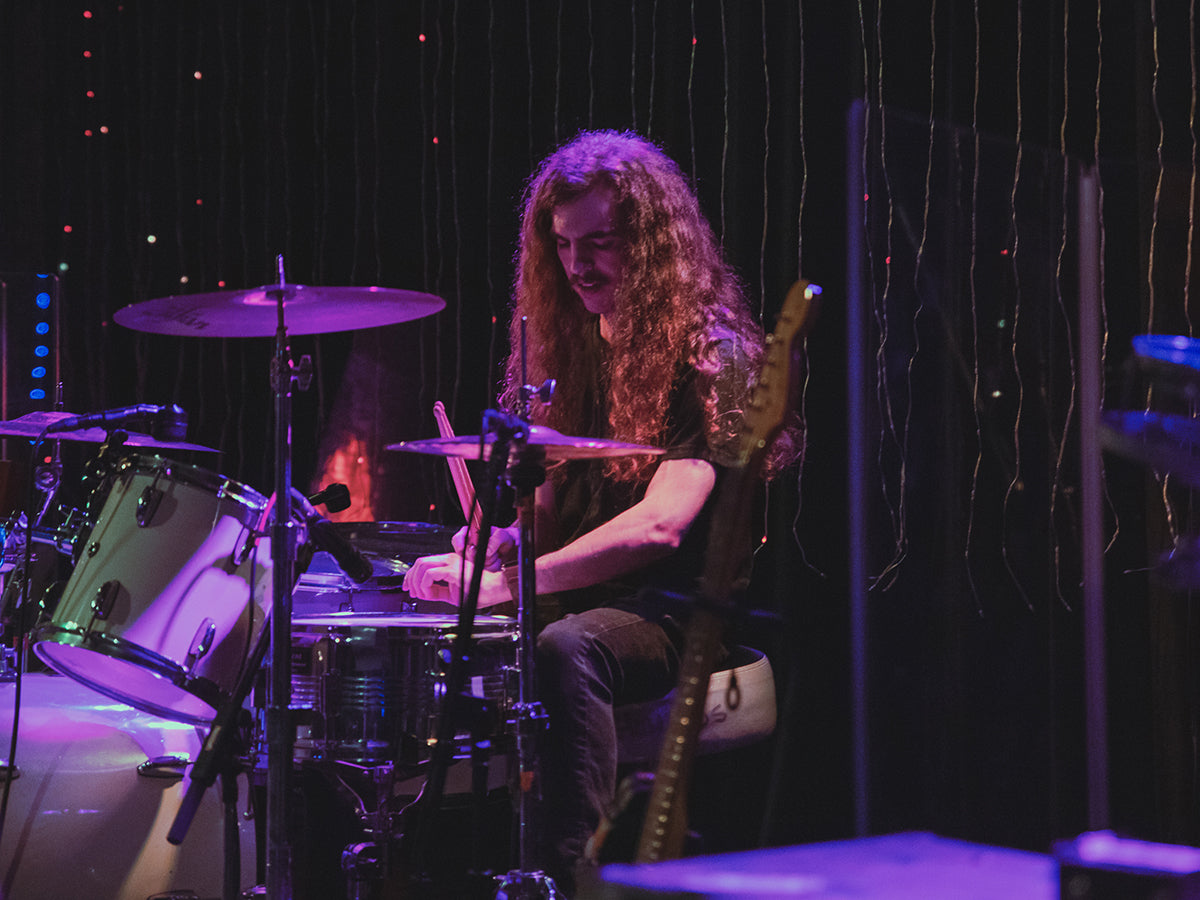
150 149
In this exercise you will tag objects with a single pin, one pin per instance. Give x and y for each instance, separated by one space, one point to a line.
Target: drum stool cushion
640 726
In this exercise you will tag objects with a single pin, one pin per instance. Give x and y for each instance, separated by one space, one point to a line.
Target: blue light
43 300
41 350
42 327
43 276
39 372
37 394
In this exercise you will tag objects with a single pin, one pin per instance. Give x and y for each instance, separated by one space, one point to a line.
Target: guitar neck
665 826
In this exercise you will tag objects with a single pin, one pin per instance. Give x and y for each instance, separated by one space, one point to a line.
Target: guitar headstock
778 386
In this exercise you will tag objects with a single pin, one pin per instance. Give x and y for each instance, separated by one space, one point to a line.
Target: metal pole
856 458
1092 493
283 556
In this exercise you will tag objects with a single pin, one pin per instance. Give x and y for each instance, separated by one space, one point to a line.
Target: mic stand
216 757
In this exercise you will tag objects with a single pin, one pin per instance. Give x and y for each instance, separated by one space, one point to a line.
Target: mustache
588 279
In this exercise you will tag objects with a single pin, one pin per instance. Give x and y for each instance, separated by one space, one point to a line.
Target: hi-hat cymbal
31 425
557 446
254 312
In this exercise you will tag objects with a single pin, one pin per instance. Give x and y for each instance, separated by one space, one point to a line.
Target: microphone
163 423
334 497
324 536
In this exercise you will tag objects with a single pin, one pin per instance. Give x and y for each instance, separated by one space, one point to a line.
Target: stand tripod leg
232 845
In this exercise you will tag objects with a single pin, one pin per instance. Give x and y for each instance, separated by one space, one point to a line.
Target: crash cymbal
31 425
557 446
1169 444
254 312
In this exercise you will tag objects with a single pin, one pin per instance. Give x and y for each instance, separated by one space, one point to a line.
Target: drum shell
189 591
371 687
82 821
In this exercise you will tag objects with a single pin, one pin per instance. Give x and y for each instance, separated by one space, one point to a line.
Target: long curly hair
677 299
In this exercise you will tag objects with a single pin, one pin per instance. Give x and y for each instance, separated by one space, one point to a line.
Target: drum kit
195 599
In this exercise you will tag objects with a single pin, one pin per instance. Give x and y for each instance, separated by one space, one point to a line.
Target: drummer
630 305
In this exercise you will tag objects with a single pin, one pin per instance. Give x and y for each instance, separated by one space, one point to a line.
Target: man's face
590 250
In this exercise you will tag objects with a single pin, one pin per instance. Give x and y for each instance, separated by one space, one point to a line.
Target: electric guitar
665 826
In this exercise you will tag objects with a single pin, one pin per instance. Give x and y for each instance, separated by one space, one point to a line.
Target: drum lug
201 643
106 596
168 767
245 547
147 505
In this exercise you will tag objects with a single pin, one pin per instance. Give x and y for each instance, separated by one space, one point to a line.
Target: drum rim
203 689
339 622
222 485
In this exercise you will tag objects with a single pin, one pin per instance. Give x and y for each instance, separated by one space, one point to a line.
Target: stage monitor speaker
1100 865
884 867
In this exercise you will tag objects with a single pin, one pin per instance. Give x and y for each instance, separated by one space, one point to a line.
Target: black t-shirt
586 497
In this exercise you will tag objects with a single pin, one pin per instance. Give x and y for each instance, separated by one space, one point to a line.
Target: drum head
125 674
390 547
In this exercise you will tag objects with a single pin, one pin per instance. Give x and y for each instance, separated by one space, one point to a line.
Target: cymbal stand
280 739
526 881
215 757
525 474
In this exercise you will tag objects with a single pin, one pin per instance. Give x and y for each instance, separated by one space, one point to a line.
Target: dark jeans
586 664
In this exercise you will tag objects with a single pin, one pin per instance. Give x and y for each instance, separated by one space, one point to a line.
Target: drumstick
458 472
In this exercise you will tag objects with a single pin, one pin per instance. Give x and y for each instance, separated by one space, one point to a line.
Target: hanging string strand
1104 335
691 99
1064 237
802 465
894 495
973 494
1016 482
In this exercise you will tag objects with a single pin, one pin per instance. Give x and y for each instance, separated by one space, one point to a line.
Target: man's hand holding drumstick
502 543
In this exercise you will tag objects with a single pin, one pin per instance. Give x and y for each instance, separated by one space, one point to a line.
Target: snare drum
170 593
370 687
391 547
